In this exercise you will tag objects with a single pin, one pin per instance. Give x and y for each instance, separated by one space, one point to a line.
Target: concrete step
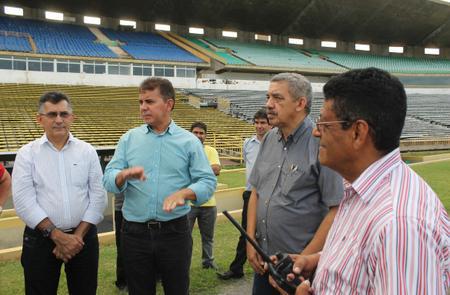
110 43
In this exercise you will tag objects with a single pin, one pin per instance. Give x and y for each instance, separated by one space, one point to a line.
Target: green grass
202 281
437 175
236 179
426 153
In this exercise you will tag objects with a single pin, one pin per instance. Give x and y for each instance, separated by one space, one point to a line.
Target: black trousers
42 269
153 248
237 266
121 279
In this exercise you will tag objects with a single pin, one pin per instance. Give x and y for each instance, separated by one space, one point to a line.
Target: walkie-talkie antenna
255 245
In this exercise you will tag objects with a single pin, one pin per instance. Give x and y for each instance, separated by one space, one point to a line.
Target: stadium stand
150 46
54 38
427 115
229 58
393 64
266 55
12 42
104 114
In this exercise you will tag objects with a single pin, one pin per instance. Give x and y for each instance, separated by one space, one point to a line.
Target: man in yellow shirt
206 214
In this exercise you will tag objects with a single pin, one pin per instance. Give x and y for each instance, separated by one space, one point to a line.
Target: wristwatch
48 230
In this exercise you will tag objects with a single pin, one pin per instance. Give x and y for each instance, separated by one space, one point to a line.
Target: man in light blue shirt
158 166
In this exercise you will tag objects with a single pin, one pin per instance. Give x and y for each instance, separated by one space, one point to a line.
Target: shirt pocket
293 180
79 174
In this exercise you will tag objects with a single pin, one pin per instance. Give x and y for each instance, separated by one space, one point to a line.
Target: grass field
202 281
205 281
235 179
437 175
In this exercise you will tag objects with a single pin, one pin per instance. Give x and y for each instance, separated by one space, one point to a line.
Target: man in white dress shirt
58 193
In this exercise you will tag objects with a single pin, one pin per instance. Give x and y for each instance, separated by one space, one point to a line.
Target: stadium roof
405 22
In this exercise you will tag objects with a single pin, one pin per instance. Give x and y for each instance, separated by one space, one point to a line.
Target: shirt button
285 148
279 166
263 221
264 239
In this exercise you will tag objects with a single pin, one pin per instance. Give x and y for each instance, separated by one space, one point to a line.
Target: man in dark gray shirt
294 198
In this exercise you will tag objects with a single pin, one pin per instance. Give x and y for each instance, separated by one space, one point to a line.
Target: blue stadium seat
150 46
54 38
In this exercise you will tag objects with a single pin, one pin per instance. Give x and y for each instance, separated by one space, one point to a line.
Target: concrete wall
11 76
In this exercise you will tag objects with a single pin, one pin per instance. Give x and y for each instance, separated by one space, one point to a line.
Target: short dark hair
372 95
261 114
165 87
199 125
53 97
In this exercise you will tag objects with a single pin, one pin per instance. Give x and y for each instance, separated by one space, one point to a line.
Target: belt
155 224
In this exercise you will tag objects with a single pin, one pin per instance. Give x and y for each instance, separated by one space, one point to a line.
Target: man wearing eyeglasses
293 199
58 193
391 234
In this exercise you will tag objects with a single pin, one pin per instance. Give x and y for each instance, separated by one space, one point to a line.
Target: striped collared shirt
390 236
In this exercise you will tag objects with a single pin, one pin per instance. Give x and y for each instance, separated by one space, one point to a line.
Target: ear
361 134
170 103
300 103
39 119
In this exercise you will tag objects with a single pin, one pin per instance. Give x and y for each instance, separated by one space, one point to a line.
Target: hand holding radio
278 271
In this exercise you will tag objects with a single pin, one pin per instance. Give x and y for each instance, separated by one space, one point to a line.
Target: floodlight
162 27
13 10
445 2
231 34
362 47
92 20
54 15
329 44
263 37
128 23
197 31
432 51
295 41
396 49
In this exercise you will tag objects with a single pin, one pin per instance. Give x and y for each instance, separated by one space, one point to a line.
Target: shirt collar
367 183
254 138
170 129
44 139
305 125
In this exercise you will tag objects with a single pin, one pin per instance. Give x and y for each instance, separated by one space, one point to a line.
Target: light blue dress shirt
250 151
172 160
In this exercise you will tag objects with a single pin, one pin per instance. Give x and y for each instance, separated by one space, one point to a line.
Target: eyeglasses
327 124
53 115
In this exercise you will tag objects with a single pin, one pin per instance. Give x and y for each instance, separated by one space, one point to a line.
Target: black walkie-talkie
278 271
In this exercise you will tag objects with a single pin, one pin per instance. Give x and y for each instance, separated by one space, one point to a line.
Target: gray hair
298 85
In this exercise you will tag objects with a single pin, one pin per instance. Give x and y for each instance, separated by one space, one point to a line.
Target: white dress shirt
65 186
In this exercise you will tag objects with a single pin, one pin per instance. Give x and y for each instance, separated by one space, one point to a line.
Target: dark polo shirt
294 190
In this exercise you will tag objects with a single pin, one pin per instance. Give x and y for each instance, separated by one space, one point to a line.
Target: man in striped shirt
391 232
